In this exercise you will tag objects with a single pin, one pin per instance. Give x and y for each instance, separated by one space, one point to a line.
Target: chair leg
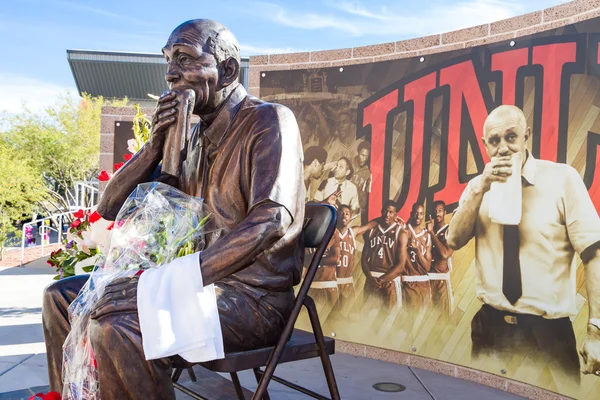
299 388
258 375
176 374
192 375
325 360
238 387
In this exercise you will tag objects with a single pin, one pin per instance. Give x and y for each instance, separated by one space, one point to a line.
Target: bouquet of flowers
157 224
76 250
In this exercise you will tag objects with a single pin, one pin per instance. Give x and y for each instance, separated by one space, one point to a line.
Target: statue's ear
230 71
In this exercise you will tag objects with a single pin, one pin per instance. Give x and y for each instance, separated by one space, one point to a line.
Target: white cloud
104 13
250 50
357 19
304 20
93 10
356 8
19 91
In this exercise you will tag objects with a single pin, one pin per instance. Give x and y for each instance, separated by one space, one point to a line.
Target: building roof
119 74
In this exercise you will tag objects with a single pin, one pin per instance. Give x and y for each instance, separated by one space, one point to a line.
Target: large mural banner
433 255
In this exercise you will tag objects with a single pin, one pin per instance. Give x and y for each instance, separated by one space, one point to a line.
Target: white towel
506 198
178 315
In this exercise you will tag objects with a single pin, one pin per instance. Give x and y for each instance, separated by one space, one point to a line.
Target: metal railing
86 194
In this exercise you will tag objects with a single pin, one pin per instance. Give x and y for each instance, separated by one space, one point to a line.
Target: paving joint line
16 365
422 384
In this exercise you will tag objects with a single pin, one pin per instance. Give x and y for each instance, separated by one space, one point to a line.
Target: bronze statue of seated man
244 159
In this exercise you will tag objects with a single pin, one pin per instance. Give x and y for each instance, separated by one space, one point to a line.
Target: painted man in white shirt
314 169
525 274
339 189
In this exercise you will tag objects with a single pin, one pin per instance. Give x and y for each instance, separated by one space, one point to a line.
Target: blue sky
36 33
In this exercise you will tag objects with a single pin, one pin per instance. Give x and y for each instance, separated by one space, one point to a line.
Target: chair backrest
319 226
318 219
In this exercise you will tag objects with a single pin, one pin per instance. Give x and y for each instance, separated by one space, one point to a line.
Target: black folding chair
293 344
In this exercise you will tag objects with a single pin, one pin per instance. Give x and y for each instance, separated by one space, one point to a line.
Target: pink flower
132 146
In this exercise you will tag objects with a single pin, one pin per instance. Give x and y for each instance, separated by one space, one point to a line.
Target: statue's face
189 67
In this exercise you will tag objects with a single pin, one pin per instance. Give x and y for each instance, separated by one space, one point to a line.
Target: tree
62 146
21 189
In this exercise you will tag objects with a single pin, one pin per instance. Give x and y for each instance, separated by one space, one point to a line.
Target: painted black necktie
511 278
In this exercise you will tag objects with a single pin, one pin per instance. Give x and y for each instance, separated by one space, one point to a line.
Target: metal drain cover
389 387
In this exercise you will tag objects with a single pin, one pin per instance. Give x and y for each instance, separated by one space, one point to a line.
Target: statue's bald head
212 36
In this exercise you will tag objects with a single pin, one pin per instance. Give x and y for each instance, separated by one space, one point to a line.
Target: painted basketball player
324 288
416 289
347 240
441 260
384 255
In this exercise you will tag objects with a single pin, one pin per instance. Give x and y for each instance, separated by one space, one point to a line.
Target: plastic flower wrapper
157 224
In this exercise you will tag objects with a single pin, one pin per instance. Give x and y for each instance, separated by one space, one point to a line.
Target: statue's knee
51 299
51 292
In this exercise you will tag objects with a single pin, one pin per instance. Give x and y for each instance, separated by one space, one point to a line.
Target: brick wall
508 29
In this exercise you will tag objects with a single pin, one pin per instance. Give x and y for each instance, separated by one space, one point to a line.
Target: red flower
94 217
117 166
50 262
128 156
104 176
79 214
109 228
76 223
47 396
55 253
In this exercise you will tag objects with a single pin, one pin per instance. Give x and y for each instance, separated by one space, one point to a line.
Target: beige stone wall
508 29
